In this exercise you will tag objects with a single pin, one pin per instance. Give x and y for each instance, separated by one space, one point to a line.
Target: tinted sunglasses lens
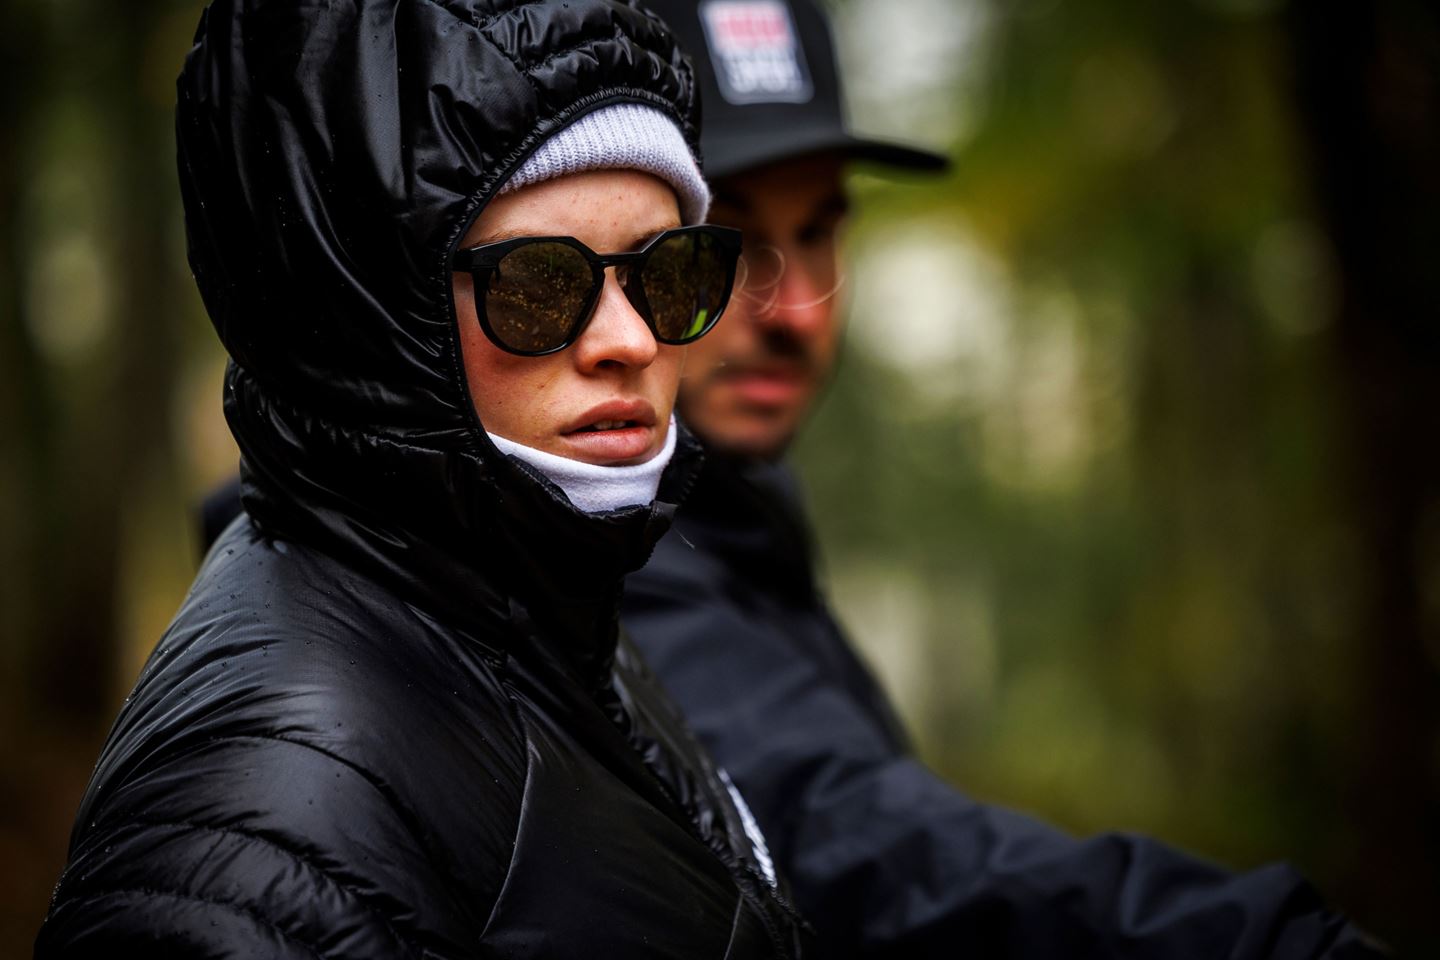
686 280
537 293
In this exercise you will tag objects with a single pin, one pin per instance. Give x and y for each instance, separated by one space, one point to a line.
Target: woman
391 718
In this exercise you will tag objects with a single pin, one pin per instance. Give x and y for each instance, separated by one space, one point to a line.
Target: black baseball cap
769 85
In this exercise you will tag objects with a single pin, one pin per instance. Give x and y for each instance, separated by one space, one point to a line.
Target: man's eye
817 233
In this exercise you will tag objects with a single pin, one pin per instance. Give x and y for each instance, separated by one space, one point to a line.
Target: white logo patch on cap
756 52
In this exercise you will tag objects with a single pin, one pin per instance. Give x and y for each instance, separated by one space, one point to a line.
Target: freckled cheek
502 387
539 402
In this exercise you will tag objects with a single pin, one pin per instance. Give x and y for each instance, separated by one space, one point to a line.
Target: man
884 857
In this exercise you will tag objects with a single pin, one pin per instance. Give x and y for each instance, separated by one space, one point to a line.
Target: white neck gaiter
596 489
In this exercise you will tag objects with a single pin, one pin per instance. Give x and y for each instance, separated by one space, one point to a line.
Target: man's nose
616 335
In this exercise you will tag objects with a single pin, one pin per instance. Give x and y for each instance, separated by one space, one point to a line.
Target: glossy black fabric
390 719
885 859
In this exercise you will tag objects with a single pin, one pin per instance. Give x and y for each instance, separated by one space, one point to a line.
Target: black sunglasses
534 295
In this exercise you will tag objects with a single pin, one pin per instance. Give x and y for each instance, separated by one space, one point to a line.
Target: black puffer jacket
886 859
390 719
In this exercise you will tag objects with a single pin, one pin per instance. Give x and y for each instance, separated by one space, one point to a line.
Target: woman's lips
618 448
615 433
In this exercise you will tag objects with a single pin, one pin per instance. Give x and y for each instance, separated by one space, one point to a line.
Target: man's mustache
777 347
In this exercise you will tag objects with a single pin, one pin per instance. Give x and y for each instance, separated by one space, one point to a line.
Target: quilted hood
332 153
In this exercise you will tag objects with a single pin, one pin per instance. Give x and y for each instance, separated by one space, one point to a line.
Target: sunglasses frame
480 262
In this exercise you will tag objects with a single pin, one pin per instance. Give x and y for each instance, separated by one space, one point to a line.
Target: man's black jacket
393 717
884 858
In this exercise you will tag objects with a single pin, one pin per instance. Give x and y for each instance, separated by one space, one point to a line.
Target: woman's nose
616 335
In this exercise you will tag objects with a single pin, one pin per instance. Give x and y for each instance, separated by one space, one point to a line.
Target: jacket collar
748 511
481 541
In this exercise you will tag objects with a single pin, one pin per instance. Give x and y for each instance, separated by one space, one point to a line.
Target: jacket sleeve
196 858
888 860
159 924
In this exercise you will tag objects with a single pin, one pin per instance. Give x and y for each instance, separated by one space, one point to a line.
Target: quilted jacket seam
529 68
482 22
479 28
235 908
255 837
526 68
416 833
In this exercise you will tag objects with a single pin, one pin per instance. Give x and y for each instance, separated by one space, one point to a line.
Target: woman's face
606 399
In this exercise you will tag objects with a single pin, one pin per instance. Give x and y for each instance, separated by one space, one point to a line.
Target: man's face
751 380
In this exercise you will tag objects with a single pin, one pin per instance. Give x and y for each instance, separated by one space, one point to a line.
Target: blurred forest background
1128 485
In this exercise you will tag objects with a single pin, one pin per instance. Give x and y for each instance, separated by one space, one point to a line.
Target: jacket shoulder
252 846
304 767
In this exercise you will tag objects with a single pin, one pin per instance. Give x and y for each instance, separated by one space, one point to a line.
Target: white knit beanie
623 136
